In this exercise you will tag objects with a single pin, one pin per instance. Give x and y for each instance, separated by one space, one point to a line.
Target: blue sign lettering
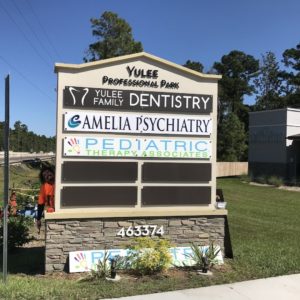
90 142
96 256
108 144
151 144
180 144
199 148
125 144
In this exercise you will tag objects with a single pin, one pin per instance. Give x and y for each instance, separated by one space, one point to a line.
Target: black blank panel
176 172
91 196
175 195
92 172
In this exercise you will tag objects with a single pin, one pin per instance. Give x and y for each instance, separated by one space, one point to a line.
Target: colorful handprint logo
74 143
81 262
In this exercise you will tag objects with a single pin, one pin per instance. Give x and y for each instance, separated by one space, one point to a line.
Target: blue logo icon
74 121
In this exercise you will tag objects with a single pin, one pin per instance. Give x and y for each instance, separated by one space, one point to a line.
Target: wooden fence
231 168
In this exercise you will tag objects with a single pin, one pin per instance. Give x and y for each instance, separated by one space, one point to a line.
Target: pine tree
231 139
114 38
269 84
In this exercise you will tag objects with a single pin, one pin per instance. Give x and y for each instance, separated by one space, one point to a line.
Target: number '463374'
143 230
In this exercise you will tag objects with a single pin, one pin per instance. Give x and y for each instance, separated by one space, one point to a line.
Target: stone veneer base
63 236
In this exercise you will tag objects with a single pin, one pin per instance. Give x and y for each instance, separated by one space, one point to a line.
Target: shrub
274 180
204 258
25 200
245 178
261 179
102 269
148 256
17 232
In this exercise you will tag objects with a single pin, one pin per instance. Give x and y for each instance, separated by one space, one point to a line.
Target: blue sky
36 34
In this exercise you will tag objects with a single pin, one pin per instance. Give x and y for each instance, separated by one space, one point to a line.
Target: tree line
22 140
272 83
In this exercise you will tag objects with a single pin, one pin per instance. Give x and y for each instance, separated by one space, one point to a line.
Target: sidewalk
276 288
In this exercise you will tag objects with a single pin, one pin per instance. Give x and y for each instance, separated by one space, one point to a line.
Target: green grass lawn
264 225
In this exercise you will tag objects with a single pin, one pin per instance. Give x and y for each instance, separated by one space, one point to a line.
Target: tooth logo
72 92
74 121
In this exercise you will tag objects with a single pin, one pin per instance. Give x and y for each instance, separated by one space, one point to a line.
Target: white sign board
110 146
143 113
84 261
107 122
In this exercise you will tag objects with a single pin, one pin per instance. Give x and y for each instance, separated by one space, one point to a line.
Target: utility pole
6 178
